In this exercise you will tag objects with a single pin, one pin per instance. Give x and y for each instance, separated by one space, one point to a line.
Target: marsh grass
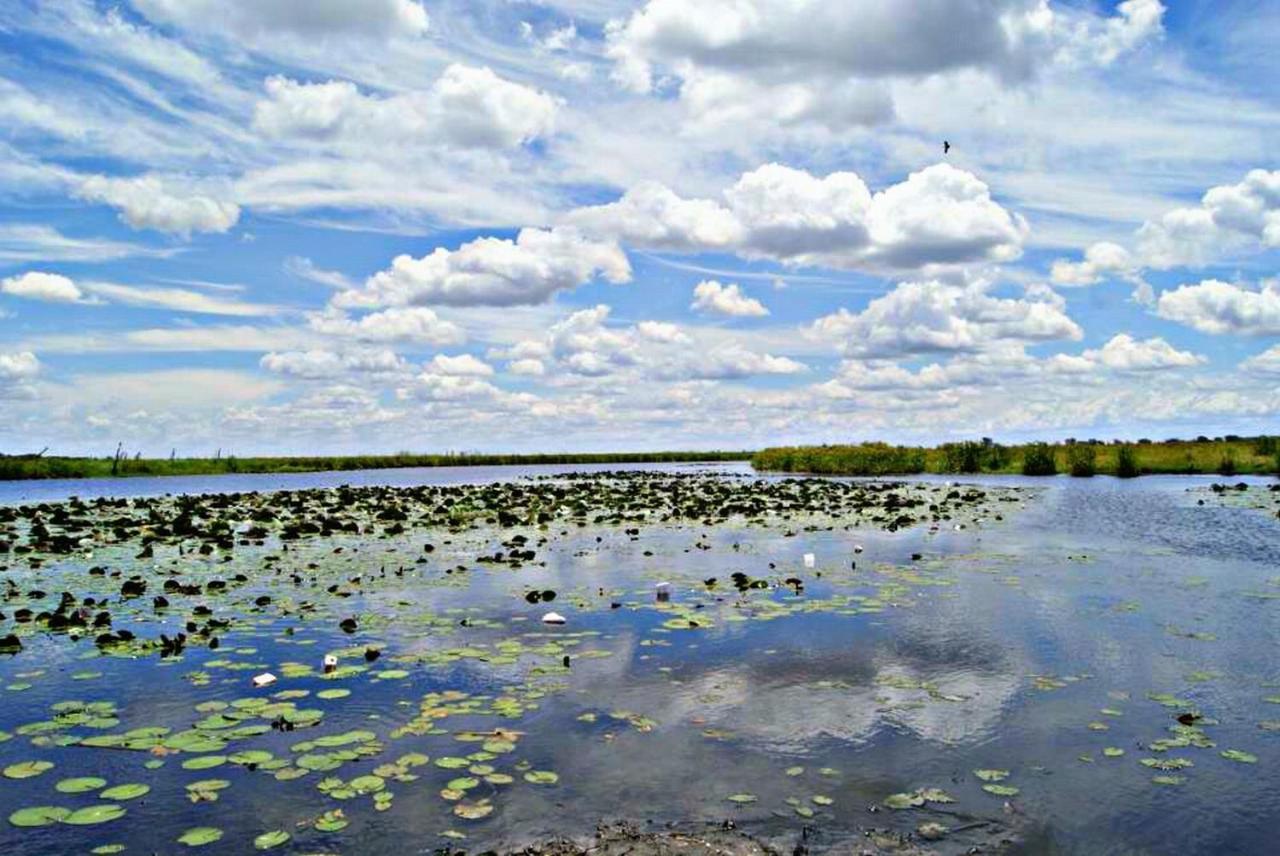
1126 460
865 459
13 467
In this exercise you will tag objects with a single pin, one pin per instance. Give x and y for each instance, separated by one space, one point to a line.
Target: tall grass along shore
15 467
1225 456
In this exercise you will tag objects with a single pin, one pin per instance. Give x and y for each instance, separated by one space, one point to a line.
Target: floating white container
810 560
266 679
553 618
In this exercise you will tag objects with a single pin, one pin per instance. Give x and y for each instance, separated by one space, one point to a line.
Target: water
996 650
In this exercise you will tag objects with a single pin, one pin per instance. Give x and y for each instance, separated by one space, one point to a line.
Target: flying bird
946 147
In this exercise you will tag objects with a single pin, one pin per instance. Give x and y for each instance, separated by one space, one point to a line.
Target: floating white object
664 591
553 618
810 560
330 663
857 548
266 679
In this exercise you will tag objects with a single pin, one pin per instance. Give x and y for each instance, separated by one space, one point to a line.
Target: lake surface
1049 635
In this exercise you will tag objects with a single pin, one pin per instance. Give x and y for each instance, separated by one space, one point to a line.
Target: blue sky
324 226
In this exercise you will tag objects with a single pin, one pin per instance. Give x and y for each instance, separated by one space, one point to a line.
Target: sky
363 226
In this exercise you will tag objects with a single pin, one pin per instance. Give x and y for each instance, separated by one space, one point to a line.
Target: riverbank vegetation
1226 456
14 467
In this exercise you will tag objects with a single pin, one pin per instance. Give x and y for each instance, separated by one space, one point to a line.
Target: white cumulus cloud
166 204
412 324
39 285
939 216
494 272
933 316
466 107
1213 306
1125 353
712 297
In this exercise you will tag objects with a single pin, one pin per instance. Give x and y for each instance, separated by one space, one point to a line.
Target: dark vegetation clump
1082 460
1038 459
1127 462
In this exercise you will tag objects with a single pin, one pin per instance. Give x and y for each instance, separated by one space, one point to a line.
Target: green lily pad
541 777
82 785
367 784
331 821
204 762
200 835
1237 755
125 792
450 762
992 775
267 840
1001 790
41 815
94 814
742 799
27 769
904 801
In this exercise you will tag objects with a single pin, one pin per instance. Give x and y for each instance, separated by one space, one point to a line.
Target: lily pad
541 777
27 769
125 792
473 811
267 840
41 815
204 762
200 835
1238 755
81 785
904 801
742 799
1001 790
94 814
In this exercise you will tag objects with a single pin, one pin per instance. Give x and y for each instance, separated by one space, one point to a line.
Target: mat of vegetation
302 669
1222 456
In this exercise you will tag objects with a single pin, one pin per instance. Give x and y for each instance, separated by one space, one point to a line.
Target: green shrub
965 457
1082 460
1127 462
1038 459
997 457
1266 446
1227 466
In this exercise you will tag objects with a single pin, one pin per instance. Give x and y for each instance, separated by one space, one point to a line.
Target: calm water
1028 645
